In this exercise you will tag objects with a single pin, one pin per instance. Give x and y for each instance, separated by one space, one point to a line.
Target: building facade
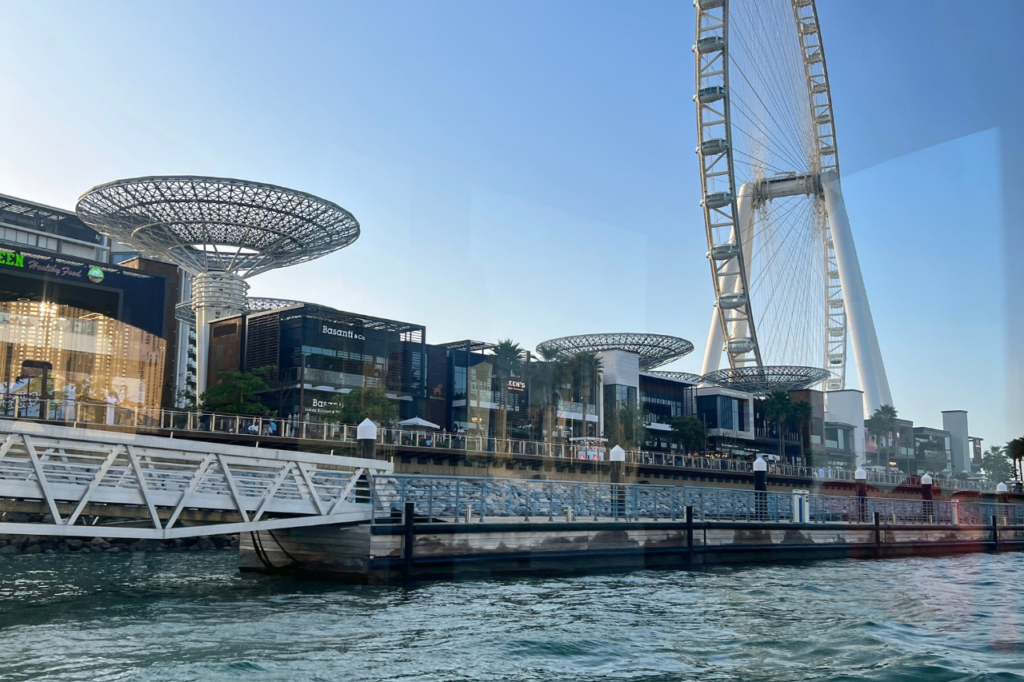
932 451
840 445
317 353
57 353
31 226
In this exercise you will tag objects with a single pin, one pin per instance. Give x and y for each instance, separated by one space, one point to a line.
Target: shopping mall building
82 317
75 326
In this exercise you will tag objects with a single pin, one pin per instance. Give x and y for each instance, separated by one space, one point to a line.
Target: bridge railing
72 474
102 414
456 498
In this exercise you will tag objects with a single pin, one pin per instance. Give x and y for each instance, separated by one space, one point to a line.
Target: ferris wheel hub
787 185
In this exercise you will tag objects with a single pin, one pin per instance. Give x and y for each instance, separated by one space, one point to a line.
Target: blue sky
526 169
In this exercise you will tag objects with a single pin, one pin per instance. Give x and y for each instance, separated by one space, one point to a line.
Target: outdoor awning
416 422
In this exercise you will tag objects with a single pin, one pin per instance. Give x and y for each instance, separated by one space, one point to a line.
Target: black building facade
320 352
466 393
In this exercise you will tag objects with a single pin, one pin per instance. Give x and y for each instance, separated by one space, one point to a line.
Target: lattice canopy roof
764 380
654 350
259 304
688 377
218 224
183 311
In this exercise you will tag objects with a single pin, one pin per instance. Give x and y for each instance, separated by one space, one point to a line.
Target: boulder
146 546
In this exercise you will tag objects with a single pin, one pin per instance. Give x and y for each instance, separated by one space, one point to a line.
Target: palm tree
801 412
507 361
882 423
555 377
585 369
777 408
1015 451
996 463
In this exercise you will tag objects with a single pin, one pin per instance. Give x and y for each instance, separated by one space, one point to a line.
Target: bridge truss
96 483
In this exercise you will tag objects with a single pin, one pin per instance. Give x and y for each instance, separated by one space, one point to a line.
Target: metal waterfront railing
103 414
456 498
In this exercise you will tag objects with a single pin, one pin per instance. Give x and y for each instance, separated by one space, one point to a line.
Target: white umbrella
421 423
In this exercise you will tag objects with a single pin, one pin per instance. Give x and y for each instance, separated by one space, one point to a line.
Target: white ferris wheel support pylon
870 368
787 290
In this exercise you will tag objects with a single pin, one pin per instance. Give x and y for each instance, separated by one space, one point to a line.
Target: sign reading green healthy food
15 259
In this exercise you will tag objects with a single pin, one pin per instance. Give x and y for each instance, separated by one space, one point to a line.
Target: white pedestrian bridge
88 483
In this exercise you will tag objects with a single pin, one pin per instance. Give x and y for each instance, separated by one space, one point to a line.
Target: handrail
104 414
469 498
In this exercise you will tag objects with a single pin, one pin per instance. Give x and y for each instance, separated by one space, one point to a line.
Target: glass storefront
64 354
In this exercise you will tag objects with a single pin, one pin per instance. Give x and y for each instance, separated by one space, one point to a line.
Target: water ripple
179 617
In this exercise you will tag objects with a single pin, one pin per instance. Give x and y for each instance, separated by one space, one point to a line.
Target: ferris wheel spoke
781 60
769 290
803 306
781 146
767 65
755 163
798 306
791 131
767 228
784 267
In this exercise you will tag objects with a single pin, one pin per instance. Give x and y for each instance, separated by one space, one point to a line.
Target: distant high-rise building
955 421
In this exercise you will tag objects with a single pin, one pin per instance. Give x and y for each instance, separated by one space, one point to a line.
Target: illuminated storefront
64 354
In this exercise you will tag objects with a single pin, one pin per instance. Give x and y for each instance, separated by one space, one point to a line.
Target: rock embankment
38 544
47 544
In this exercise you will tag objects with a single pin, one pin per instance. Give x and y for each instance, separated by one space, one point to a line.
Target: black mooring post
689 534
410 537
995 533
878 536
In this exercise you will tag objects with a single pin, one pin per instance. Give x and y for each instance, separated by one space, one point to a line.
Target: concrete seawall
383 553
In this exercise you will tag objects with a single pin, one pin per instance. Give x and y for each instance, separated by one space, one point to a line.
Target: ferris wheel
788 286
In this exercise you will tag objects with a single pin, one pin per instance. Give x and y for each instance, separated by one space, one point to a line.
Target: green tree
801 413
882 424
239 392
777 408
996 464
360 404
689 433
507 362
